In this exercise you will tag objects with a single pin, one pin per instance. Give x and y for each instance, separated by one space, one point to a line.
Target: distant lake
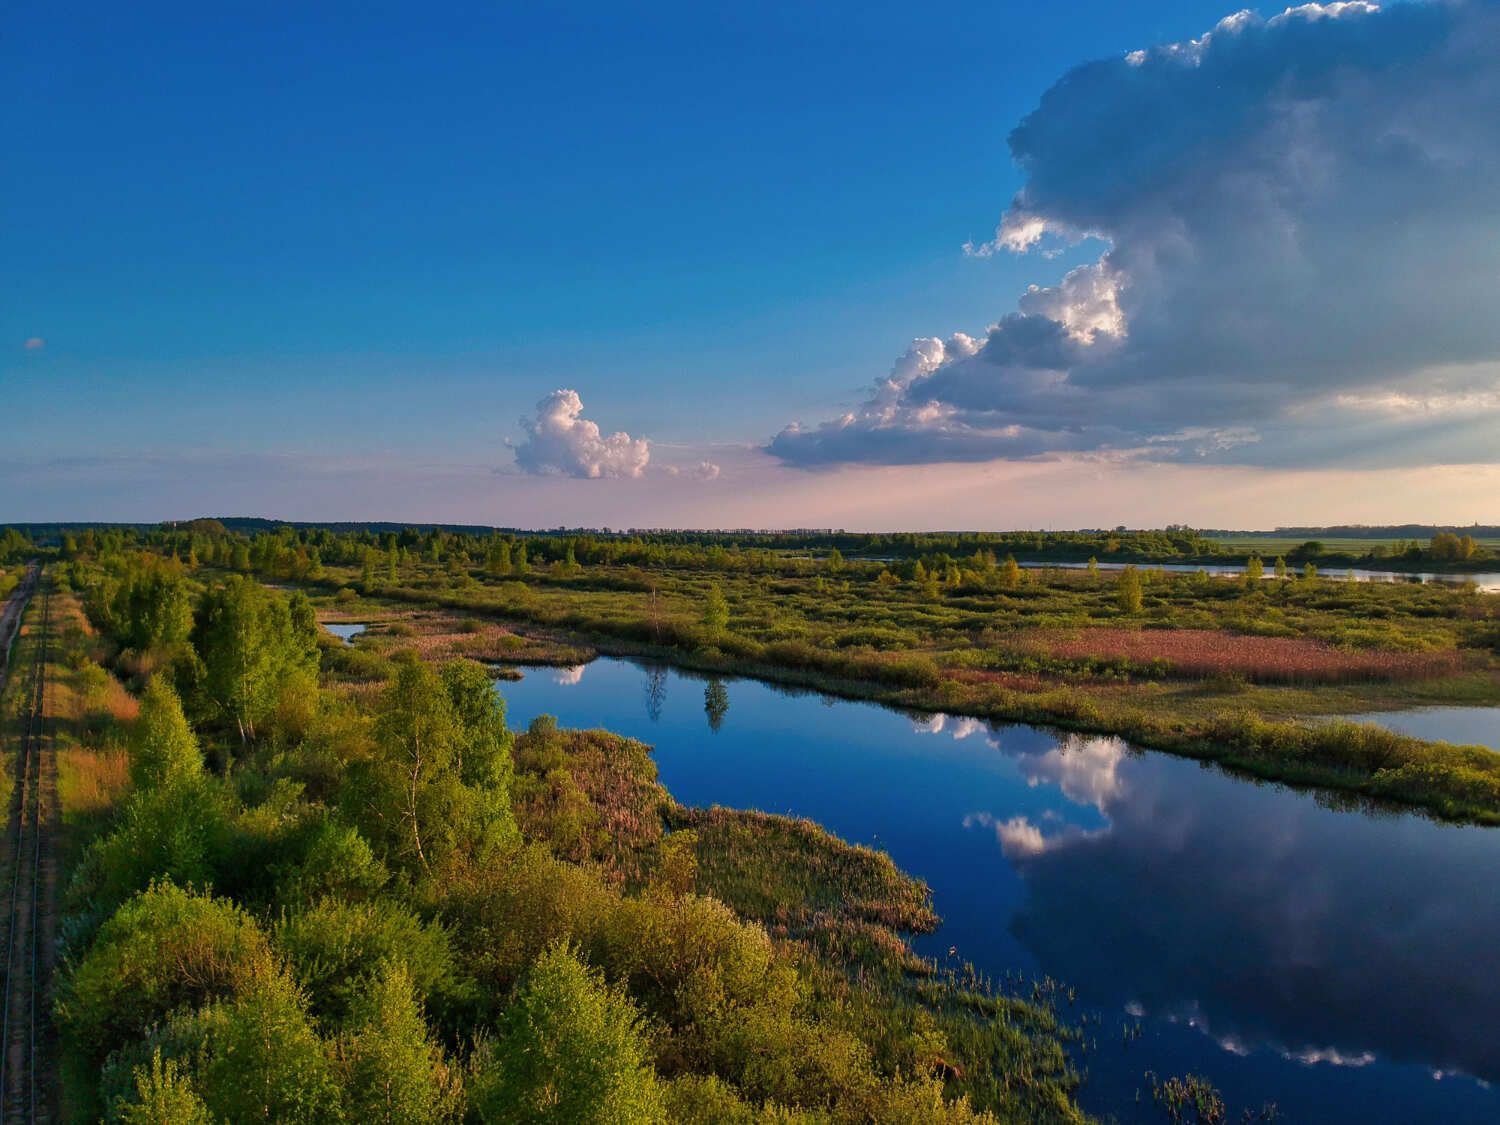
1488 581
346 631
1340 963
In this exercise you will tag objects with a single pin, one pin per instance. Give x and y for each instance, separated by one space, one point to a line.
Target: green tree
265 1062
304 620
164 949
251 652
1128 593
332 860
484 743
571 1049
925 581
179 832
1010 573
1093 568
415 734
1309 572
390 1068
497 560
163 749
335 947
1254 571
164 1095
153 605
435 789
835 561
1280 567
715 613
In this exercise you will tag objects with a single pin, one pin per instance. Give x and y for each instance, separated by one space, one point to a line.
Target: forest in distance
309 881
1403 546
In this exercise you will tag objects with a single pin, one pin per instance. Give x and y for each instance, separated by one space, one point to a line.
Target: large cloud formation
561 441
1303 249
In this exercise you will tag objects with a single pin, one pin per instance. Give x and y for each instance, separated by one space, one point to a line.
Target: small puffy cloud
703 470
1298 220
34 343
560 441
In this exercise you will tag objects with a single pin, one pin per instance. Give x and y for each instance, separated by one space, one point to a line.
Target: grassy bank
1213 669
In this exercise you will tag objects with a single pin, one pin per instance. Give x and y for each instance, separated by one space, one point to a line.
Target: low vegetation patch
788 872
1205 653
591 795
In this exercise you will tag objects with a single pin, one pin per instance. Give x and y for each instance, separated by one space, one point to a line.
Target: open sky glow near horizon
858 265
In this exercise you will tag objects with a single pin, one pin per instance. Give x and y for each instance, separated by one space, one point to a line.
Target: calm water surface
345 630
1488 581
1340 963
1464 726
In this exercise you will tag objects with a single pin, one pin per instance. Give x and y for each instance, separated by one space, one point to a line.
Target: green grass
791 874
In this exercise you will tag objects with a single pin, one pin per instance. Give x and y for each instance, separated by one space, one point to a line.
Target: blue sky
338 235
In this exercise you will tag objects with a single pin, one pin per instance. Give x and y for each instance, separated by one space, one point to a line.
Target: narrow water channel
1342 963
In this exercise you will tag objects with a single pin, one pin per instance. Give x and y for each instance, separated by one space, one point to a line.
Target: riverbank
1257 729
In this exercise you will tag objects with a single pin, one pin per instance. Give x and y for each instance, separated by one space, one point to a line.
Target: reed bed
1208 653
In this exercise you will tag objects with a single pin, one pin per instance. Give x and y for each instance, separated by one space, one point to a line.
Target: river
1340 963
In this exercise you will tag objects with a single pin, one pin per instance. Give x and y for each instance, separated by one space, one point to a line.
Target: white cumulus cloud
560 441
1298 217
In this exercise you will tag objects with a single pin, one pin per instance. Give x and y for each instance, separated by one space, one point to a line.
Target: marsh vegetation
1228 668
303 896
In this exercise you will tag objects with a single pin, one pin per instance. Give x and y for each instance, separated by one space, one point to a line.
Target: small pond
1345 964
346 631
1464 726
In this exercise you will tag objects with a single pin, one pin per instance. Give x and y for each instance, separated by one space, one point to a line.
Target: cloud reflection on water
1259 917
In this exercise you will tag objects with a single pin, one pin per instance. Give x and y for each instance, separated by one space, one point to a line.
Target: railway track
23 1085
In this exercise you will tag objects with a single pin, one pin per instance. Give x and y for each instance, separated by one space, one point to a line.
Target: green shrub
570 1049
164 949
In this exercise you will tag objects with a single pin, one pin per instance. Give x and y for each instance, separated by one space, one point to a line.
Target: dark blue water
1339 963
